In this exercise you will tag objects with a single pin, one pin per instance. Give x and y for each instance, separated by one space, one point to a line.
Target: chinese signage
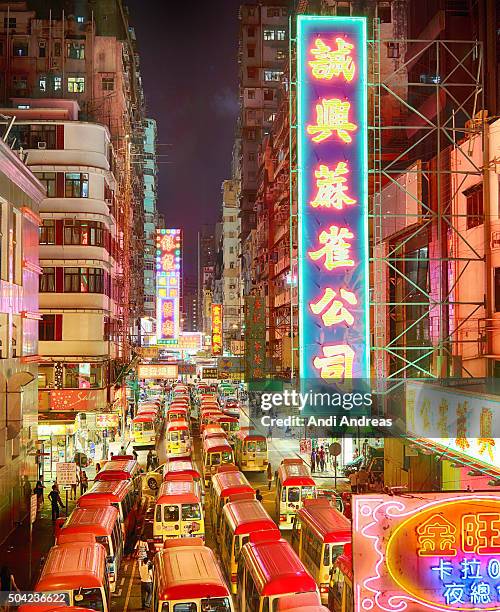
104 420
456 420
164 370
187 341
434 551
255 338
228 365
209 373
65 473
168 284
333 219
216 329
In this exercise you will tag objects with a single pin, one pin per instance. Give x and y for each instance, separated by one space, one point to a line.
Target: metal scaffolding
423 112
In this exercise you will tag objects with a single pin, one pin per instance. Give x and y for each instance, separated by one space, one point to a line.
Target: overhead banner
428 551
332 198
217 314
164 371
168 284
255 338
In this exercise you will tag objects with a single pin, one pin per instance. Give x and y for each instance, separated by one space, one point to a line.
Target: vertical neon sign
217 314
168 283
332 192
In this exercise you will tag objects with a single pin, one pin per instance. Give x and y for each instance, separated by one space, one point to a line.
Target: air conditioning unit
42 144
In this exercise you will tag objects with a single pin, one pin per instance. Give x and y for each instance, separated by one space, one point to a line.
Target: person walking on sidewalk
313 461
149 460
56 501
269 473
74 487
84 482
321 457
146 574
122 451
38 491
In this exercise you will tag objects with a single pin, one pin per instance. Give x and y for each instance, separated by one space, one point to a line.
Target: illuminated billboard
457 421
164 371
168 284
217 329
428 551
332 197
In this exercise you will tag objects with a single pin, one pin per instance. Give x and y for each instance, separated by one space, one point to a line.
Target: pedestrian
313 460
38 491
111 456
149 460
142 548
7 581
258 496
269 473
97 468
353 479
122 451
321 456
146 574
55 501
156 462
73 487
84 482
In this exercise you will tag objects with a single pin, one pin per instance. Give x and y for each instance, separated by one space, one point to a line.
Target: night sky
189 66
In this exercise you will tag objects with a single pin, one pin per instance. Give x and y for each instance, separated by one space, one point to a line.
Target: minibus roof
187 573
98 520
276 568
330 524
73 566
247 515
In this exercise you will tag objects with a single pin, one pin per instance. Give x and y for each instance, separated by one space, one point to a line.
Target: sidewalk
15 550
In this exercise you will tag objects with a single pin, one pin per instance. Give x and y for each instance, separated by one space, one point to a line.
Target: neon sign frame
168 282
322 157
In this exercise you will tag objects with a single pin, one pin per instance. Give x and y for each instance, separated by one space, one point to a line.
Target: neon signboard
217 329
332 193
429 552
168 284
455 420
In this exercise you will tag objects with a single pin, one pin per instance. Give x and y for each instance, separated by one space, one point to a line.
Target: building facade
150 216
20 197
206 270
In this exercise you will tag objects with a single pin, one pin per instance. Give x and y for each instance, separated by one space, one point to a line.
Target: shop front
457 429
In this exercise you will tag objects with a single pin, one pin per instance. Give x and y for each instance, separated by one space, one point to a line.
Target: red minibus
79 570
188 577
340 592
223 486
295 484
270 569
118 493
239 519
104 526
215 452
319 534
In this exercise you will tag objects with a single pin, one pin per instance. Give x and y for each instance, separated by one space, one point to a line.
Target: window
83 280
75 50
42 83
250 51
251 32
384 13
268 95
76 185
57 48
20 82
42 48
269 35
497 289
1 47
10 23
280 34
273 12
20 48
49 180
343 10
76 84
47 327
280 54
475 212
273 75
48 280
251 94
252 72
86 233
108 83
48 231
392 49
80 19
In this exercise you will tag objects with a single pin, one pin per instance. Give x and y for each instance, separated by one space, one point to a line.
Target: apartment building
20 197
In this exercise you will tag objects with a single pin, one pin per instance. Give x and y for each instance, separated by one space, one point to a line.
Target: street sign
335 449
66 473
33 508
305 446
